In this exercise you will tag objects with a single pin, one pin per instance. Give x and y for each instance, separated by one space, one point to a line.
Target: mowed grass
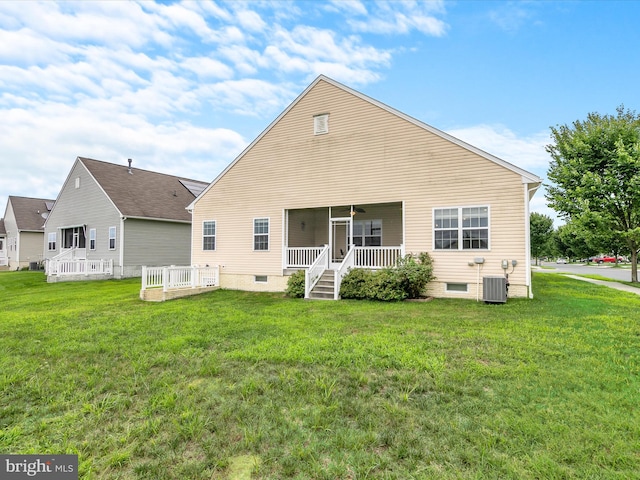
228 384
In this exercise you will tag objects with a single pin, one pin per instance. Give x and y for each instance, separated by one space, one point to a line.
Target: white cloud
400 17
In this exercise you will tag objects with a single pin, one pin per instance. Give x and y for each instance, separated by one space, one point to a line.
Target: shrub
407 279
356 284
295 285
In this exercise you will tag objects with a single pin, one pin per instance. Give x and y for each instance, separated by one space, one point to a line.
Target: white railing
79 267
4 260
377 257
315 271
170 278
341 271
71 254
298 257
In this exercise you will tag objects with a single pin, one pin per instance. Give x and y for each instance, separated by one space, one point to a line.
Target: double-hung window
261 234
112 238
92 239
51 240
367 233
461 228
209 235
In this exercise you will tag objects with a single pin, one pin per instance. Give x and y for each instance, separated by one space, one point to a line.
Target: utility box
494 289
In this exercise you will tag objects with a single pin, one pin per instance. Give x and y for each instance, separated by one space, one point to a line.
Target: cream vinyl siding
369 156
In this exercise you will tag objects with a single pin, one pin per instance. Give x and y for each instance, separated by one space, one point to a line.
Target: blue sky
182 88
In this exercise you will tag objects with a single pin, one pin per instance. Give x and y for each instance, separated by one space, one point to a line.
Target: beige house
340 180
23 230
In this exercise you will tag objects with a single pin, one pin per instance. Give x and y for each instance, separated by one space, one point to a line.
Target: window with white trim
112 238
367 233
92 239
51 241
261 234
209 235
461 228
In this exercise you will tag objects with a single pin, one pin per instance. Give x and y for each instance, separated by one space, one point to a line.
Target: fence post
144 277
194 271
165 278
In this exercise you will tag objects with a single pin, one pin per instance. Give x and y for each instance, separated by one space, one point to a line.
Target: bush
356 284
407 279
295 285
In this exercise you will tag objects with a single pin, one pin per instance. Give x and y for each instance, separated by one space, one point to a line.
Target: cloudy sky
183 87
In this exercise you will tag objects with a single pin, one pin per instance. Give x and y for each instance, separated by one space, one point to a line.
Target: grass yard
226 383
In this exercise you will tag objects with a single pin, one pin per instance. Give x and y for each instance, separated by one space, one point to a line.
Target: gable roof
30 213
141 193
527 177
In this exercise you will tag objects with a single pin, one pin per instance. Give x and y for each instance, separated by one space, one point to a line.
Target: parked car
605 259
561 260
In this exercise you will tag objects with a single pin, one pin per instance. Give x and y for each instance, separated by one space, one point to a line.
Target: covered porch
327 241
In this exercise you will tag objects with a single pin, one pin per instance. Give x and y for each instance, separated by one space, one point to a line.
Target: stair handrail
315 271
347 262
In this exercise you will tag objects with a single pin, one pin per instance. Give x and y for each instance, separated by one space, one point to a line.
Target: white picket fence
174 277
79 267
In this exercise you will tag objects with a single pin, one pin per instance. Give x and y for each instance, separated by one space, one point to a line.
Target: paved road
603 270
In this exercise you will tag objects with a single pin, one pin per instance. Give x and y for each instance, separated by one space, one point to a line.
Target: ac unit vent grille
494 289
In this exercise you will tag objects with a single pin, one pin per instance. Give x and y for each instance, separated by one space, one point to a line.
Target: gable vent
321 124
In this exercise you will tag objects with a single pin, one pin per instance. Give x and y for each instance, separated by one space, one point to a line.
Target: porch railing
377 257
298 257
79 267
4 261
173 277
315 271
347 263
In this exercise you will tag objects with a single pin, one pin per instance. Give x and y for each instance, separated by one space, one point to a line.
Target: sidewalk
616 285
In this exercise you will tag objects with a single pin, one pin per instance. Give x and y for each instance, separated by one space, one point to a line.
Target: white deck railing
377 257
298 257
170 278
79 267
4 260
347 263
315 271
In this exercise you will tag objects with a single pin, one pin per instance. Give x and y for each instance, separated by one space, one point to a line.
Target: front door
340 239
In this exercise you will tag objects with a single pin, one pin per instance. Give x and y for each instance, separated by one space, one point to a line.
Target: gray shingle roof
3 231
28 212
143 193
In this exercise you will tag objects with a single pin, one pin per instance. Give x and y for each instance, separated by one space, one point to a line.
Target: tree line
595 175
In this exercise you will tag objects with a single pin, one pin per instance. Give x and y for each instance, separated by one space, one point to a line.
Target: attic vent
321 124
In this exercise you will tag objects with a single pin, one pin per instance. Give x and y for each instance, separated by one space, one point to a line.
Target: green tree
541 235
595 169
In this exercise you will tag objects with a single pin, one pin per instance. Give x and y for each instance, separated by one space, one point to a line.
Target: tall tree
595 168
541 234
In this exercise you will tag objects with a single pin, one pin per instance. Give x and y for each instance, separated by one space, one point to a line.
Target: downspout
285 238
527 237
121 259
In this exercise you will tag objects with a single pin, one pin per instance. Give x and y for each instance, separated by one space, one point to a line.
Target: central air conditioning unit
494 289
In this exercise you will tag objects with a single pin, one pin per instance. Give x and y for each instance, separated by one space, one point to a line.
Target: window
321 124
261 234
92 239
77 182
462 228
260 278
457 287
112 238
51 241
367 233
209 235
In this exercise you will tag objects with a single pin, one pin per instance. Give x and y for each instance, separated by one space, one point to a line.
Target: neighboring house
340 169
23 226
4 260
109 220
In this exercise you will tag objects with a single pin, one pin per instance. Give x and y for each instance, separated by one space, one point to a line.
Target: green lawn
209 387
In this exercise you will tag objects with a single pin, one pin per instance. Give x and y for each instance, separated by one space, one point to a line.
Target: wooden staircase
324 288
